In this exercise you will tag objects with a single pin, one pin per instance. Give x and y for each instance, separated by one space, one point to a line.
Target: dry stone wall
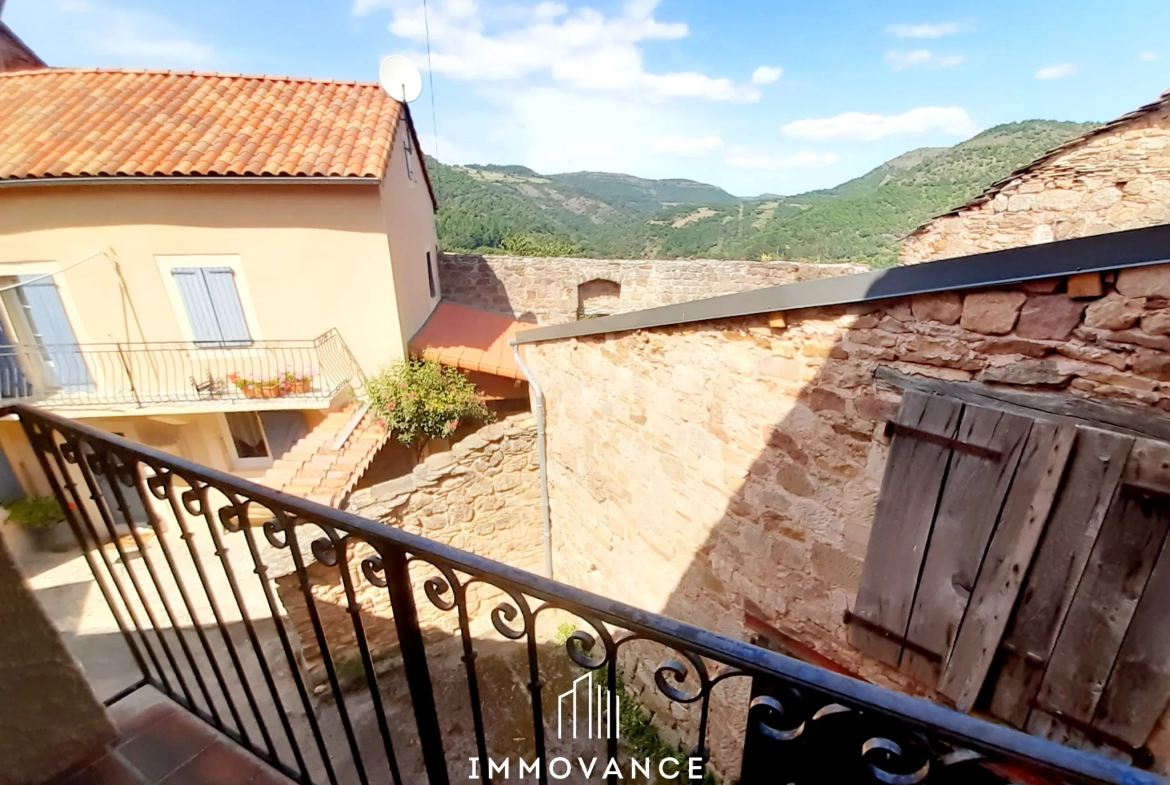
1117 180
698 468
547 290
483 496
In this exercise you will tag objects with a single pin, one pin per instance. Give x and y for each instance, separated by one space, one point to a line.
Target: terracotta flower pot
299 387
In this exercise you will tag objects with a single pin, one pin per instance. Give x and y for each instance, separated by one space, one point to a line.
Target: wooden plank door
1090 482
1025 513
972 497
1120 564
915 470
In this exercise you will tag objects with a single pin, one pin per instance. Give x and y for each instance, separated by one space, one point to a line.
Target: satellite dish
400 78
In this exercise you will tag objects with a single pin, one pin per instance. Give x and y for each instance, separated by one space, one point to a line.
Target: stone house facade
1115 177
725 470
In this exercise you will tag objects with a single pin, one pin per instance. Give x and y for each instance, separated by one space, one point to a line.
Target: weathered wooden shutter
1025 561
946 483
197 302
1109 672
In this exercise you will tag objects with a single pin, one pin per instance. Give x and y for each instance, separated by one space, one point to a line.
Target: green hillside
512 208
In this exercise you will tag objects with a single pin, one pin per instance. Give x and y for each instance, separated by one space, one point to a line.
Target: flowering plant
421 399
248 381
297 377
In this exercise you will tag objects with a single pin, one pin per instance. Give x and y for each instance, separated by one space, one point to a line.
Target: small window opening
430 275
247 434
599 297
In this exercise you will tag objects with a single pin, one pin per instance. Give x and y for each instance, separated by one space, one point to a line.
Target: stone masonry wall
546 289
698 467
51 721
483 496
1118 180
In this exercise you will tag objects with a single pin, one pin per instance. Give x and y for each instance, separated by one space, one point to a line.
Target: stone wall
1117 180
51 721
483 496
546 290
697 468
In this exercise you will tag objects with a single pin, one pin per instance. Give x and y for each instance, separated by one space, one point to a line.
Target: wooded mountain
515 209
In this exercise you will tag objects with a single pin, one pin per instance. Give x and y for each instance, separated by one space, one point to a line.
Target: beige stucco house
1115 177
207 263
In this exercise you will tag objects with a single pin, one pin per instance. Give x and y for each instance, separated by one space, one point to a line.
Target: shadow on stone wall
468 279
729 472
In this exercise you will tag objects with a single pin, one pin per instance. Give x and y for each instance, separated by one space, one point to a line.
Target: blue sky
752 95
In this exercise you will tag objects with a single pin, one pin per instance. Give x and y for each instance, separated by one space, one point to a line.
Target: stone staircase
319 470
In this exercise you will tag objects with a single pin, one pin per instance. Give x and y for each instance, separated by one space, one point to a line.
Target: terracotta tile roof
992 190
469 339
318 472
66 122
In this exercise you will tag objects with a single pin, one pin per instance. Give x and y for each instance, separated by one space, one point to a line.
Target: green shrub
537 244
36 512
422 399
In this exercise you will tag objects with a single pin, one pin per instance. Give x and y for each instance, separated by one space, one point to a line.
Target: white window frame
14 269
167 264
237 461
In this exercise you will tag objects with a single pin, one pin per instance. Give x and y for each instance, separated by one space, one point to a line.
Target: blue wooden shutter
197 301
53 332
221 287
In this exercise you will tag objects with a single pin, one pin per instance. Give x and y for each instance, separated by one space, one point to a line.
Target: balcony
101 379
483 658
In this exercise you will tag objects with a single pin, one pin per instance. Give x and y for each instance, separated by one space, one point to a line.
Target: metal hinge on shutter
894 428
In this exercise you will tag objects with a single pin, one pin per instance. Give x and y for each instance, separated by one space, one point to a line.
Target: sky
754 96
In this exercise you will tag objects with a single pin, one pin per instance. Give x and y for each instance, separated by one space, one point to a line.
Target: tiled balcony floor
158 743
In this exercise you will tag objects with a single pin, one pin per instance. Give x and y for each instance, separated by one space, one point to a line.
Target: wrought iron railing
201 608
95 375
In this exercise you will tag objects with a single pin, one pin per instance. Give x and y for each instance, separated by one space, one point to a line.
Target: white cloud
923 30
558 130
865 127
582 48
921 57
767 74
687 147
806 159
133 37
1056 71
1147 57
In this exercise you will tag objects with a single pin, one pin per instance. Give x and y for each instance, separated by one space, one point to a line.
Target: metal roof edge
1099 253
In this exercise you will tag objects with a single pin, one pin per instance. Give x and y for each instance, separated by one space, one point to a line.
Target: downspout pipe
541 457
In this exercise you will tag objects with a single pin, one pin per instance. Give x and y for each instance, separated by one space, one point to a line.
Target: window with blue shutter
213 305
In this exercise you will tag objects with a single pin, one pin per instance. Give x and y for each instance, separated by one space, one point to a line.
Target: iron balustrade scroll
196 605
95 375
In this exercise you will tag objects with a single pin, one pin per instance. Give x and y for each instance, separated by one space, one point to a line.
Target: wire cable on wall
431 78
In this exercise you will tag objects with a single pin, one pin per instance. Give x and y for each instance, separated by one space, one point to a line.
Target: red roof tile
66 122
469 339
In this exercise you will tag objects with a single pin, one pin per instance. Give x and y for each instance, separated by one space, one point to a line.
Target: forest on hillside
512 209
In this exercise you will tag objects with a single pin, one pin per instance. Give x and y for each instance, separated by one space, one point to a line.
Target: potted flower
42 518
297 382
258 387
